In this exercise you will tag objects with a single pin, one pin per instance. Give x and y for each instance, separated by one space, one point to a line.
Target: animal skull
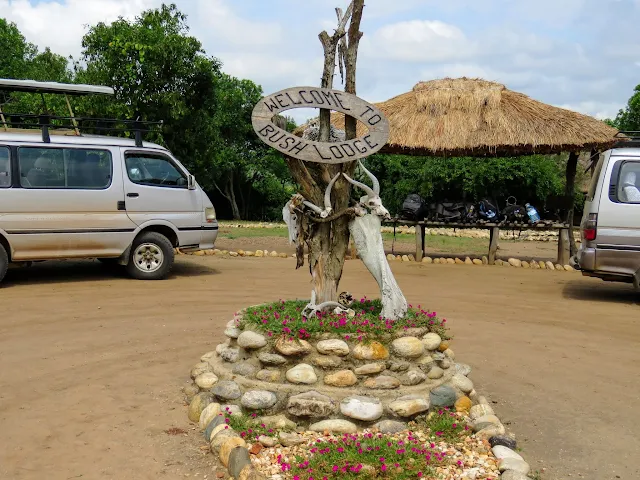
372 199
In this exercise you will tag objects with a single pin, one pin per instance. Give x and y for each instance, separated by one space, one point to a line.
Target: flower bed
364 322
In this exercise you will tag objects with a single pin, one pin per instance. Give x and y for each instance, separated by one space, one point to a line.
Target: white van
65 195
610 228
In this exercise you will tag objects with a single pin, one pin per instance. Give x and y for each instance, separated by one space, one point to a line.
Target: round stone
271 359
311 404
463 404
200 368
245 369
213 423
442 396
449 354
227 390
271 376
514 262
227 446
190 390
208 356
463 369
290 439
435 373
208 414
251 340
333 347
302 373
390 426
480 410
502 452
290 347
444 363
198 404
343 378
370 369
335 426
504 440
399 365
409 405
431 341
513 475
491 430
206 380
462 383
361 408
230 354
267 441
370 351
233 332
407 347
514 464
277 422
327 361
258 399
383 382
413 377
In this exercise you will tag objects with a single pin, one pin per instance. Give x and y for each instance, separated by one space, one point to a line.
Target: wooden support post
572 166
564 248
4 122
493 245
73 117
419 242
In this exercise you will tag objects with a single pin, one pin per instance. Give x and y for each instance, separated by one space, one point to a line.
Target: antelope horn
362 186
374 180
327 193
313 207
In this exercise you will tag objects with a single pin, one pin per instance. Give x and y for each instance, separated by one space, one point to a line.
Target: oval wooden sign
323 152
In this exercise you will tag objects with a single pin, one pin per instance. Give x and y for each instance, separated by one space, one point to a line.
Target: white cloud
60 25
599 110
216 20
420 41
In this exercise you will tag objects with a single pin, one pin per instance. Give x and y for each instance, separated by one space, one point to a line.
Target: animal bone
372 199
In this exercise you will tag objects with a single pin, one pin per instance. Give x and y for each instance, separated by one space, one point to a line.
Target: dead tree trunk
570 185
328 242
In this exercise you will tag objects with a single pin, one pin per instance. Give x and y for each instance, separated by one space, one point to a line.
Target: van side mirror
191 182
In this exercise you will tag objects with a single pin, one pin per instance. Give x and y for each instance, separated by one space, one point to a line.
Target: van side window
154 170
5 168
67 168
629 183
594 179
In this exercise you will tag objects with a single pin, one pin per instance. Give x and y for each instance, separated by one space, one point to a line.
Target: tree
628 118
16 51
328 241
157 70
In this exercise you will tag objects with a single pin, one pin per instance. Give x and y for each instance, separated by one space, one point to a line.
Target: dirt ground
407 245
92 362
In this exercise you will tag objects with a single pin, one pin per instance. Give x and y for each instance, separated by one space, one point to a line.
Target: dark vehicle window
155 171
69 168
629 183
5 168
594 179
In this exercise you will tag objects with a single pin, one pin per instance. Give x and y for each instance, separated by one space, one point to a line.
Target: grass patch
365 324
249 426
446 425
367 456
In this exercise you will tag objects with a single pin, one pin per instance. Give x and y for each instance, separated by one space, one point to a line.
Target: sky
578 54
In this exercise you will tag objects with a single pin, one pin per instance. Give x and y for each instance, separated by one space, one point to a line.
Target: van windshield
594 180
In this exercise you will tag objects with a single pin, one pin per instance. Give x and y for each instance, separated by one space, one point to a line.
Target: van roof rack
627 139
46 122
32 86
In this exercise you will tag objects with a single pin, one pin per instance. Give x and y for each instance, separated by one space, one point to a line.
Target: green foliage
529 179
446 425
365 324
629 117
367 456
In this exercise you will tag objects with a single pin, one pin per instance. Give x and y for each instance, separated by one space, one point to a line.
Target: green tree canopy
629 117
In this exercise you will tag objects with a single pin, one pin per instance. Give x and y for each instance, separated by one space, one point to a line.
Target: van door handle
133 195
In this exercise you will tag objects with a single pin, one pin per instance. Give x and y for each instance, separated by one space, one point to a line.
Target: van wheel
4 262
151 257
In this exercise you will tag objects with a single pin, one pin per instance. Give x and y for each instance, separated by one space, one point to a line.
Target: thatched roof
475 117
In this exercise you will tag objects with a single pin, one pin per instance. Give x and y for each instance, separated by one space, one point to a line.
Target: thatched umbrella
474 117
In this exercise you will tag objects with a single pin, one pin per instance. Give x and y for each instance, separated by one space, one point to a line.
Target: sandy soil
92 362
